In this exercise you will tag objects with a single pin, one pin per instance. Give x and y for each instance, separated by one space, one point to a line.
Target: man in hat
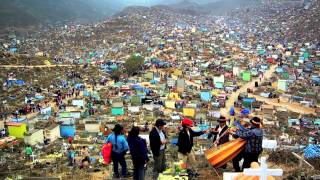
254 137
158 143
220 133
185 144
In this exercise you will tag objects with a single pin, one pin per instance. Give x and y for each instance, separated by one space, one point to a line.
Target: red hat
187 122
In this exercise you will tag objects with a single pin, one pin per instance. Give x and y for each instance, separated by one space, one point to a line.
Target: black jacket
223 139
138 150
185 143
155 141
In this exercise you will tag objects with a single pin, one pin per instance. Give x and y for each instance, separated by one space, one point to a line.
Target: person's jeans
159 164
118 158
249 158
138 171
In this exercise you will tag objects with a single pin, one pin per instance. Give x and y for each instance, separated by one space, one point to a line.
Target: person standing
3 132
185 144
70 139
139 153
119 150
242 125
220 133
28 152
254 137
71 156
158 143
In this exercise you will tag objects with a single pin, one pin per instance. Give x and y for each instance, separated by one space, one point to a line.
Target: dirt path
234 96
295 107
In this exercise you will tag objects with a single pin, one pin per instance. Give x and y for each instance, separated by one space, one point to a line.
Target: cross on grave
263 172
33 157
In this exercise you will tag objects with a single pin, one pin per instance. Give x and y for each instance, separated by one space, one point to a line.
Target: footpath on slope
295 107
234 96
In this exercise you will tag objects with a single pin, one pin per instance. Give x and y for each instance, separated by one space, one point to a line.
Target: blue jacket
119 144
138 150
254 139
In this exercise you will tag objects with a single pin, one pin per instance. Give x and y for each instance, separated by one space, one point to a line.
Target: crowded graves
172 92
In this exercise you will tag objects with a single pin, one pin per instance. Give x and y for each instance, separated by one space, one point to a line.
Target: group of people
251 131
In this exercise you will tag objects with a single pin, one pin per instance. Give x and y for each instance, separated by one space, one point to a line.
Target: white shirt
219 130
162 139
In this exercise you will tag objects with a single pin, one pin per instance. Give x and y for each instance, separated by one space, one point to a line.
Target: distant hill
216 7
223 6
34 12
24 13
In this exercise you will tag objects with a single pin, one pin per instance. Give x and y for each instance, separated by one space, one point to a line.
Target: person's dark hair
117 129
256 122
134 131
160 122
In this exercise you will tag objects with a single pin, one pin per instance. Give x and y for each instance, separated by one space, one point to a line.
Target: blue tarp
249 100
203 127
316 80
218 85
86 93
15 82
245 111
21 119
147 91
10 82
20 82
67 130
312 151
39 97
137 87
279 70
205 96
13 50
153 81
174 141
77 86
231 111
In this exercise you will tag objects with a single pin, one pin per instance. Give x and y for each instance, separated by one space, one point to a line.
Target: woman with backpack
119 150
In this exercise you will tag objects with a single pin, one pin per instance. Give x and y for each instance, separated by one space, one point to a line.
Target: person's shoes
192 174
116 176
127 176
196 174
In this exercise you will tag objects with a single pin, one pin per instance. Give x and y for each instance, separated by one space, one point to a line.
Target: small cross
33 157
263 172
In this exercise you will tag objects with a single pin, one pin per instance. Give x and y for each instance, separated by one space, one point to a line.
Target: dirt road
234 96
295 107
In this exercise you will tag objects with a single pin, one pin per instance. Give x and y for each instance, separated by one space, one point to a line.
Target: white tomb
263 172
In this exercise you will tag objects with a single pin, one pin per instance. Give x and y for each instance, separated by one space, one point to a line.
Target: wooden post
302 160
